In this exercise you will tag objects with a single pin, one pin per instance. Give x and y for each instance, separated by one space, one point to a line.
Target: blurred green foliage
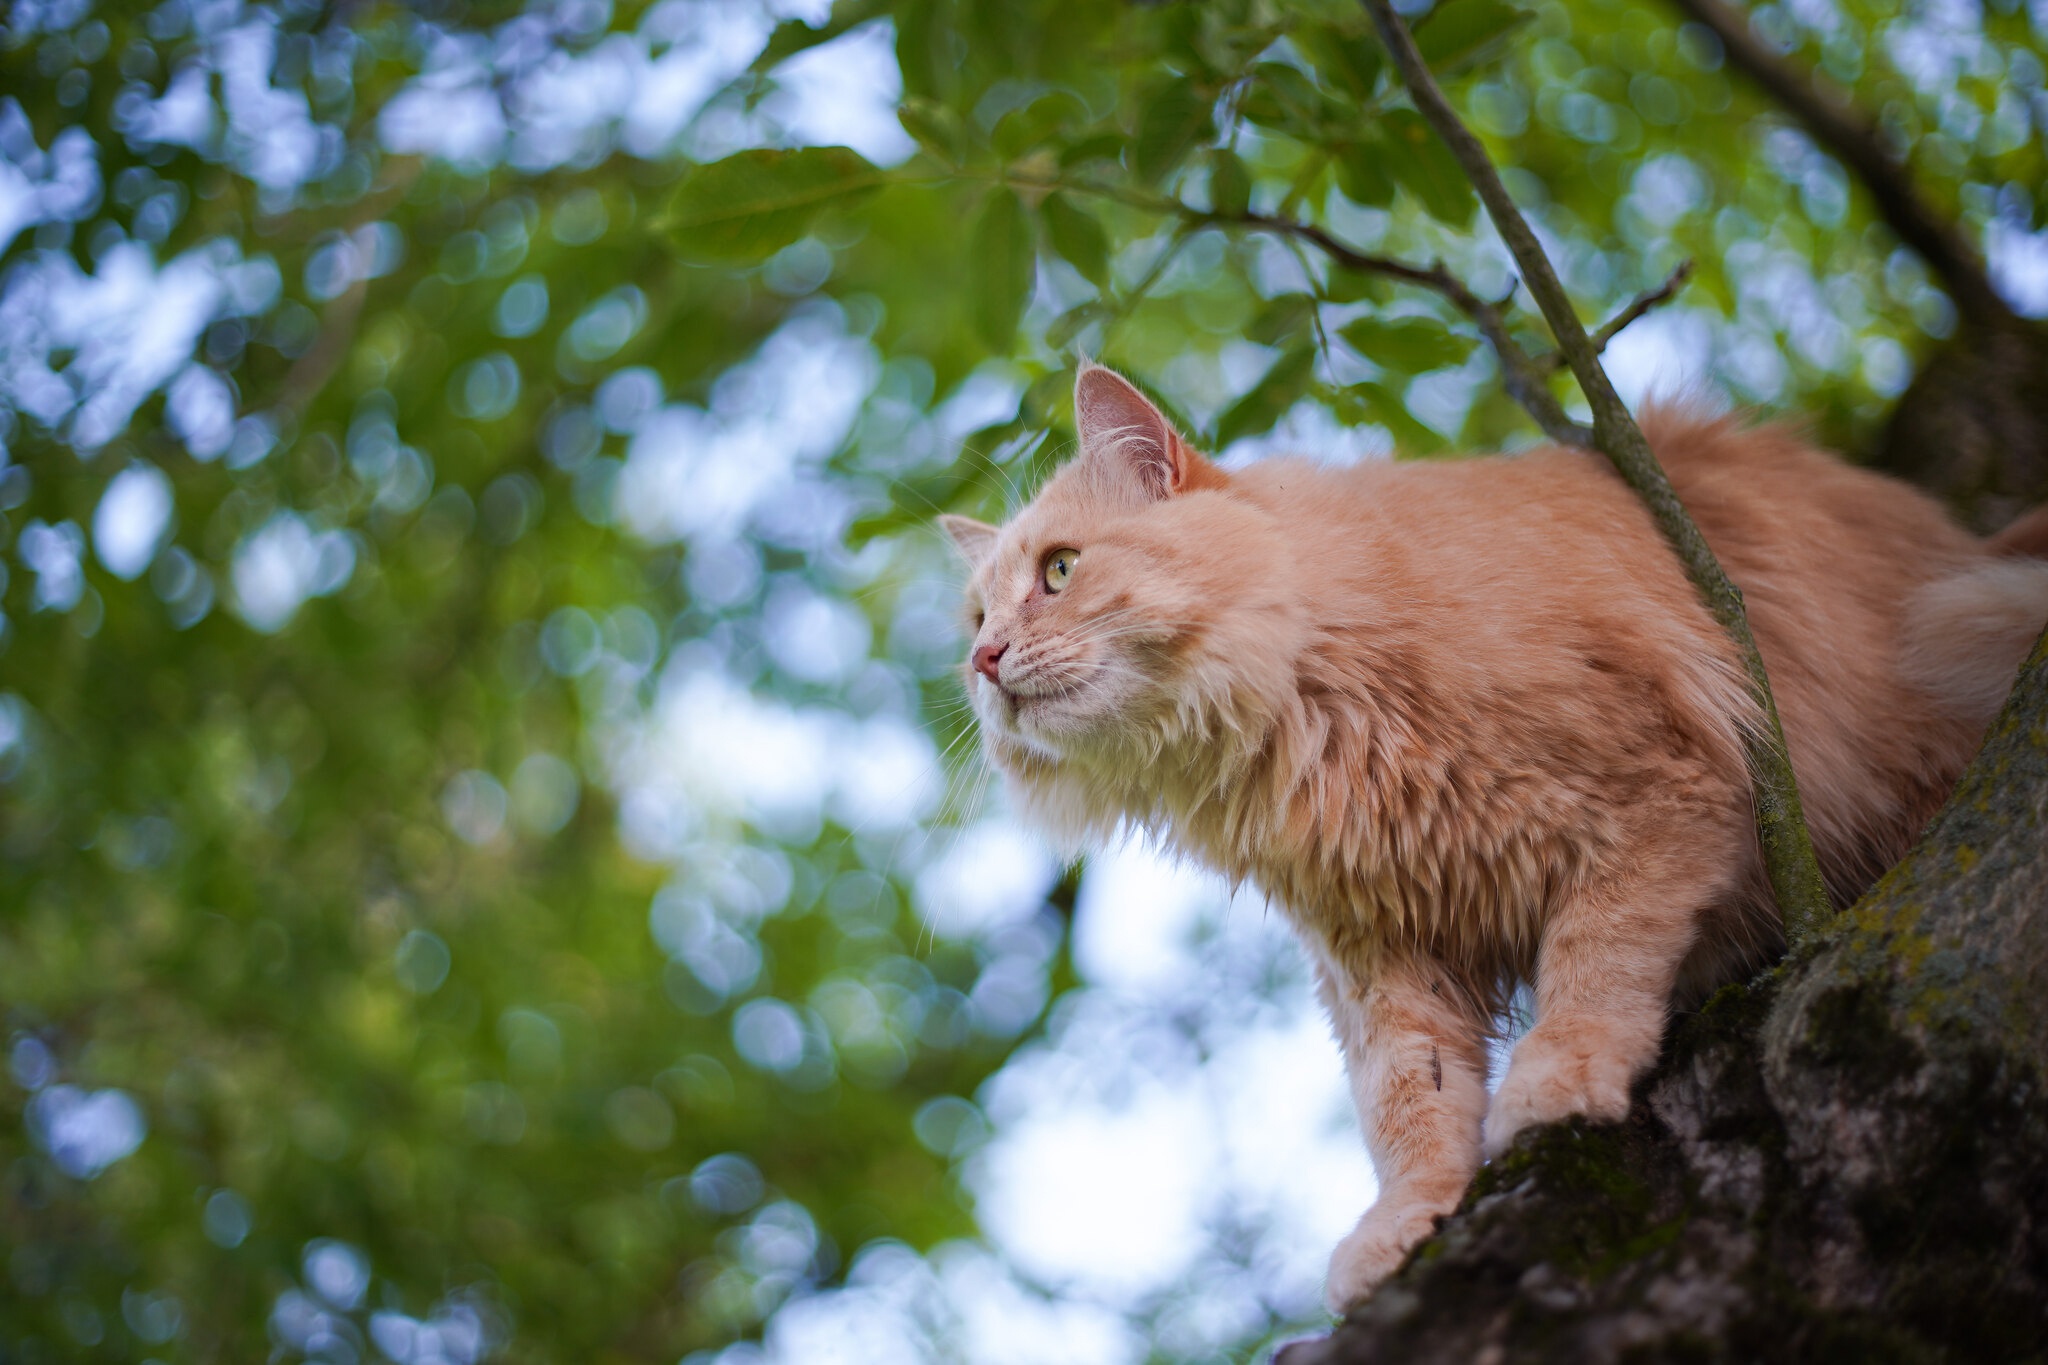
331 887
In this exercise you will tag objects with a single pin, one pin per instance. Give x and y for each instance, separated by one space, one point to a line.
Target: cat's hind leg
1607 963
1415 1051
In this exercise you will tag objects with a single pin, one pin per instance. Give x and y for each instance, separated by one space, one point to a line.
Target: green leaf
1420 163
1371 404
1410 345
1284 318
1230 184
1344 285
754 203
792 36
1000 263
1169 126
1037 123
921 48
1350 62
936 128
1100 147
1077 237
1459 32
1277 391
1048 398
1068 325
1361 169
1283 98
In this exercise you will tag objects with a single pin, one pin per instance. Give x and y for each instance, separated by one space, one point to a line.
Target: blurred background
493 858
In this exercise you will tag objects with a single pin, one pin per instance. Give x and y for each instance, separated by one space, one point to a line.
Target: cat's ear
975 540
1122 431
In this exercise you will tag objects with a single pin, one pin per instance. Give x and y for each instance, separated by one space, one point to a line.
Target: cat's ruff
1468 722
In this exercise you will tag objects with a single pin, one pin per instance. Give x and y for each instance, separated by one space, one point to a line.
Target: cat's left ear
1121 429
975 540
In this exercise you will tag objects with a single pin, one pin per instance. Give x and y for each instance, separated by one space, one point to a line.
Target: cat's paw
1548 1081
1376 1247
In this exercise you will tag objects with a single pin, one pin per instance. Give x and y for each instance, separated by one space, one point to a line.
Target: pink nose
986 657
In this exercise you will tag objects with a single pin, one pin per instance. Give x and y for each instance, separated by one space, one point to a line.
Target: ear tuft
975 540
1122 430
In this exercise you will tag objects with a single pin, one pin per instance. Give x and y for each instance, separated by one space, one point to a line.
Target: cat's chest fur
1377 824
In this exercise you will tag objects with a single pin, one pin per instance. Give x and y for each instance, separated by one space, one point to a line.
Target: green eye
1059 568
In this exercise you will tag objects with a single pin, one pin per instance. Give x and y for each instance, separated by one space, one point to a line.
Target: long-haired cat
1469 724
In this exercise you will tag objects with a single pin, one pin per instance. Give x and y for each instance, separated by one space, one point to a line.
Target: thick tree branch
1781 826
1637 306
1843 131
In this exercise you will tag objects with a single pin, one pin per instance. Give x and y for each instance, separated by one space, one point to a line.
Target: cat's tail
1967 634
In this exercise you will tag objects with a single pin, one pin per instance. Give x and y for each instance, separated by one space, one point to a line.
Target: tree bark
1973 427
1846 1159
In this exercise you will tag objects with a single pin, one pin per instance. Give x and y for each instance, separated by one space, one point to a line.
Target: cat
1469 725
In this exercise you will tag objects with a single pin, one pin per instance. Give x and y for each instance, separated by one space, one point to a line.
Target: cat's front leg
1606 967
1415 1052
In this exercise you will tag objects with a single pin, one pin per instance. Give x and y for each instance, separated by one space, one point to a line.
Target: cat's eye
1059 568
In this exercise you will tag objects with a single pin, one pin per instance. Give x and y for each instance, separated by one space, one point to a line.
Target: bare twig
1781 827
1137 292
1842 129
1637 306
1525 378
1522 376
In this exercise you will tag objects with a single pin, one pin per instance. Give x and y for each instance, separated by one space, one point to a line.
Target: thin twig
1781 827
1521 375
1526 380
1137 292
1637 306
1315 312
1842 129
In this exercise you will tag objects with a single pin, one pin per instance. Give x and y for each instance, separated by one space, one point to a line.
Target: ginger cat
1469 725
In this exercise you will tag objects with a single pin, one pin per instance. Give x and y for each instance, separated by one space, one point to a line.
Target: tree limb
1843 131
1637 306
1781 827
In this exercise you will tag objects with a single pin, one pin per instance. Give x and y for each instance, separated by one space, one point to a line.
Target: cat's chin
1013 721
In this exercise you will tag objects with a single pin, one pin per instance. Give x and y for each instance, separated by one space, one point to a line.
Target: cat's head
1139 600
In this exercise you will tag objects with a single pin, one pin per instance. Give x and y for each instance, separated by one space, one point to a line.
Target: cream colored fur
1469 725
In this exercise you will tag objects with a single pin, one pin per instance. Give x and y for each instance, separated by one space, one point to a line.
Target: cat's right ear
975 540
1130 438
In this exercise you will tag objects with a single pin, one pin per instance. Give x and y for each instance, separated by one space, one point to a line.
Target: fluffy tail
1966 635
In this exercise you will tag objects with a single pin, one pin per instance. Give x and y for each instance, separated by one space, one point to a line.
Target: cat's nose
986 658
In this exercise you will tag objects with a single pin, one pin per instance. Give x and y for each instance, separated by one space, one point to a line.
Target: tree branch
1524 377
1637 306
1842 130
1781 827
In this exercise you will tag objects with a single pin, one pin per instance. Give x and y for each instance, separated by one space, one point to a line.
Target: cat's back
1812 534
1510 573
1532 534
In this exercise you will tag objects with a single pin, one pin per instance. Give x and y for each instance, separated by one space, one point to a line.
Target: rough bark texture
1846 1159
1973 428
